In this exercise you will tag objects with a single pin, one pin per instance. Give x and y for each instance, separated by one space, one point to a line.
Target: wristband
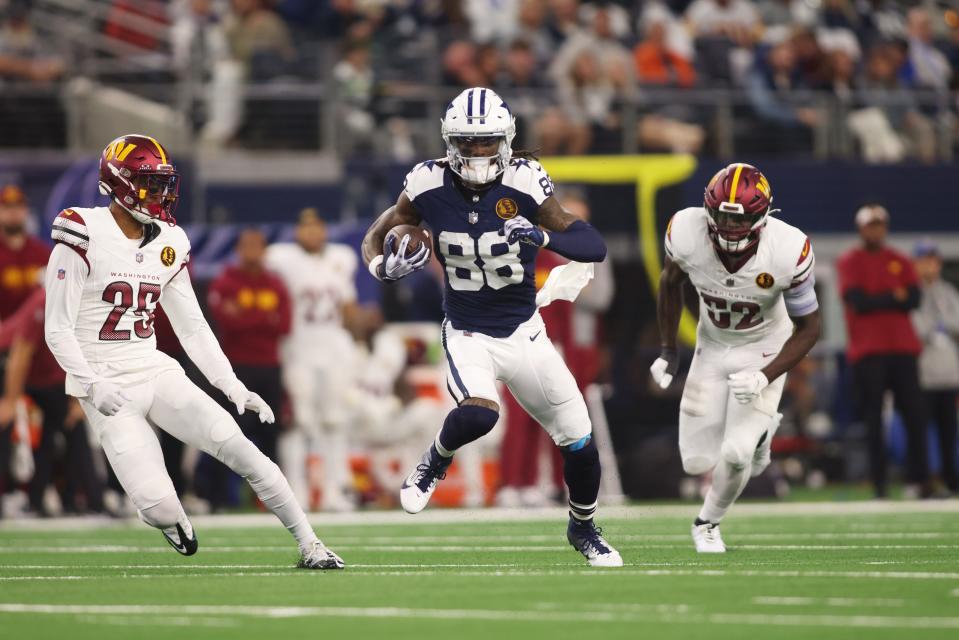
374 266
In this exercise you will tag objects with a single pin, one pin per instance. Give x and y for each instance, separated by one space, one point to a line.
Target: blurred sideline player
252 311
109 269
485 207
758 318
572 327
31 369
22 255
317 356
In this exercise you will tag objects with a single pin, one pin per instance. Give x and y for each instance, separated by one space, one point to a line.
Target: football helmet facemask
739 201
478 130
138 174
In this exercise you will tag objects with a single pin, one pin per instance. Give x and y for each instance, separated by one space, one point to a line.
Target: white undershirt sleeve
183 309
60 313
801 299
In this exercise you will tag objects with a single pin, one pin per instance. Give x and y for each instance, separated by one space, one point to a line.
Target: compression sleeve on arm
580 242
65 276
181 306
801 299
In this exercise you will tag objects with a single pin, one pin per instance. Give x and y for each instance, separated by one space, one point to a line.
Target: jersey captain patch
765 280
506 208
167 256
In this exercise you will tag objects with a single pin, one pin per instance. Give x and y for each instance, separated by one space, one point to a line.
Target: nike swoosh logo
766 355
532 338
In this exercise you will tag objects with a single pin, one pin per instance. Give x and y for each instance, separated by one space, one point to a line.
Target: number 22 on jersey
472 263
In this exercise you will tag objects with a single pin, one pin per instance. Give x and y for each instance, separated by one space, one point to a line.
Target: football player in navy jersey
489 213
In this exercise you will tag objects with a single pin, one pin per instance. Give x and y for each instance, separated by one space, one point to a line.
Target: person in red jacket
879 287
251 308
31 369
22 256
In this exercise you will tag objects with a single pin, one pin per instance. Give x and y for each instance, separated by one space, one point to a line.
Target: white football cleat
419 485
320 557
763 454
707 538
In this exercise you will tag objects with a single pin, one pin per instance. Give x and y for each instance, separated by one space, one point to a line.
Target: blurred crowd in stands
582 77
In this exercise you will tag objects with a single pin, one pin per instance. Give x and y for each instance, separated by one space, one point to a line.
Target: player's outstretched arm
669 309
565 234
197 339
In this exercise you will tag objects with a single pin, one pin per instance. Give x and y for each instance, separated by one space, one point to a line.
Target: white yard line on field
803 601
550 616
487 516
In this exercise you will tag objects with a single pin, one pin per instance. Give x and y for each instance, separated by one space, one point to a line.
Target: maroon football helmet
138 173
738 200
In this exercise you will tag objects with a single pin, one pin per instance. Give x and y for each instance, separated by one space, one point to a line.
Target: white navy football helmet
478 130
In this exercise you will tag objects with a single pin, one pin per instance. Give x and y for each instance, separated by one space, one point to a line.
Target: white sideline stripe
413 570
486 516
158 621
454 548
802 601
593 616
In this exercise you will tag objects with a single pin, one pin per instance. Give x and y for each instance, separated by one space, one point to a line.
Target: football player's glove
398 265
665 367
107 397
519 229
245 399
747 385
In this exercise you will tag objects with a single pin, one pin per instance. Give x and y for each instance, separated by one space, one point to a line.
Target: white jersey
746 307
102 291
319 285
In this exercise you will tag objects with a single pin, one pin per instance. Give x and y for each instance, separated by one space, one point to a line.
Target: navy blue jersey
490 284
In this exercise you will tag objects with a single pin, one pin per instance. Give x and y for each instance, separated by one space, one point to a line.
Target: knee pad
698 465
736 453
465 424
163 514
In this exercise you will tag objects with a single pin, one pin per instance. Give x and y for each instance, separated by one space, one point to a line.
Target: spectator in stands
773 87
657 64
460 67
890 115
259 39
879 288
929 66
937 324
22 55
489 62
810 59
534 31
563 20
251 309
22 255
492 21
718 28
32 370
354 89
592 70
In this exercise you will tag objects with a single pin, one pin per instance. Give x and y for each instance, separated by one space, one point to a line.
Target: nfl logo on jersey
61 274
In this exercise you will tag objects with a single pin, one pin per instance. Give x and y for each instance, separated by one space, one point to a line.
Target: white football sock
728 483
270 486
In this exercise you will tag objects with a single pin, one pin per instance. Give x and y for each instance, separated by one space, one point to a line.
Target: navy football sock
582 472
465 424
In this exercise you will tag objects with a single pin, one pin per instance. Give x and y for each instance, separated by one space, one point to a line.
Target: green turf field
877 570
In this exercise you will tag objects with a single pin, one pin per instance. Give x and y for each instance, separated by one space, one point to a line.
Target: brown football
418 235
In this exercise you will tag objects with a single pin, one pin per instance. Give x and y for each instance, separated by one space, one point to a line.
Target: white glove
519 229
397 265
747 385
107 397
664 368
245 399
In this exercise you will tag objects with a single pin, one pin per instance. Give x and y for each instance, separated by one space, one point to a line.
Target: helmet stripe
482 106
732 191
159 148
469 107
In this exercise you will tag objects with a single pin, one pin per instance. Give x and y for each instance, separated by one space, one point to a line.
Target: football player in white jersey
318 356
109 269
758 317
